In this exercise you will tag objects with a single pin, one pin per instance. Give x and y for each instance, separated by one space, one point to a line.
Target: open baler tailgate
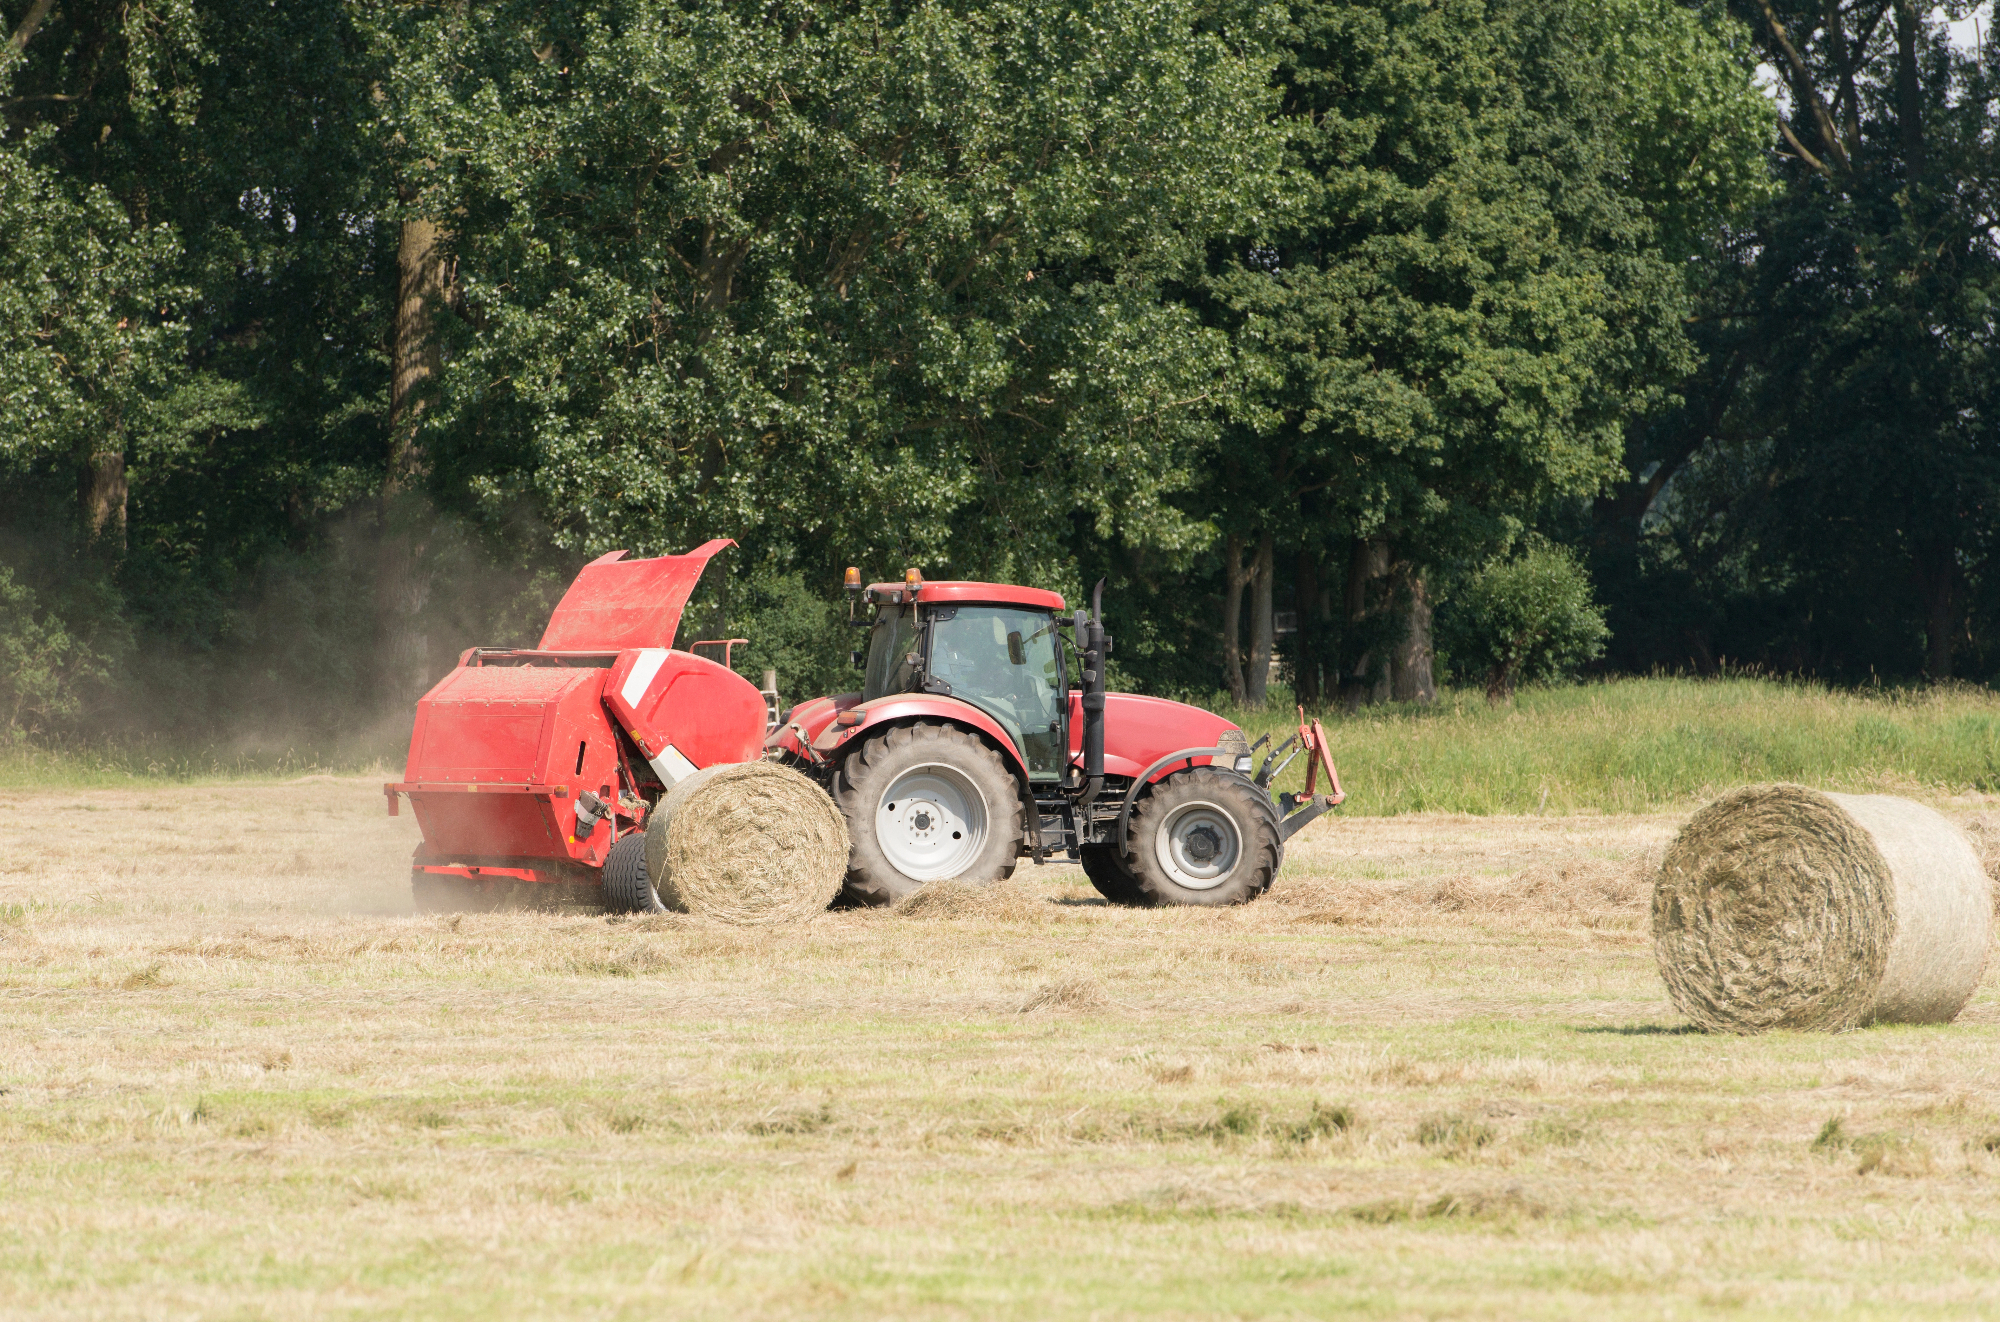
532 763
615 604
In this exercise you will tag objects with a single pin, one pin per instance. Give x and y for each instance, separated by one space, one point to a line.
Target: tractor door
1005 661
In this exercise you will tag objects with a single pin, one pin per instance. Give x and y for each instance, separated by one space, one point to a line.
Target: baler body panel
507 745
499 754
684 711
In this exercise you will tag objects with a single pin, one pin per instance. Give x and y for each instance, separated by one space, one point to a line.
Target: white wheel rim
931 823
1198 846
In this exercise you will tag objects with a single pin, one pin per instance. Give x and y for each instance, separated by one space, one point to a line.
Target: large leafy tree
1478 283
1825 498
856 281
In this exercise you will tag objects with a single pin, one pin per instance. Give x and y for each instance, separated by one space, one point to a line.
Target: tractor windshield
890 642
1002 659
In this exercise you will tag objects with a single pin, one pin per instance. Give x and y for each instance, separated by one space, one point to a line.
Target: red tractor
983 734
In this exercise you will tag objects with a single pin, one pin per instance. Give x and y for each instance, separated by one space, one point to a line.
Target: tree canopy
334 337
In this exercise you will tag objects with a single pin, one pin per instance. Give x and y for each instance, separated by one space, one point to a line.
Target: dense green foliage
1527 616
334 337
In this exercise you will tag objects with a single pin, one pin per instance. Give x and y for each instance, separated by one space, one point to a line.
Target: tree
1474 288
876 282
1823 499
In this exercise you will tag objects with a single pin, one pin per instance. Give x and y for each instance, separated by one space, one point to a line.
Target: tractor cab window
1002 659
890 642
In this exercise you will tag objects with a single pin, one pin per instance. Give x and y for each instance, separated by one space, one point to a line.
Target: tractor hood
1139 729
616 604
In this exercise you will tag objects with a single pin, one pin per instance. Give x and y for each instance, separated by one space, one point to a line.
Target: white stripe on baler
671 766
648 665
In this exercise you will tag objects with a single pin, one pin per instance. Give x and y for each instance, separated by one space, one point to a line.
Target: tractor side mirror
857 660
1016 653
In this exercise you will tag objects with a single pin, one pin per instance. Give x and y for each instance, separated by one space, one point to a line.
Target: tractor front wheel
926 802
1203 837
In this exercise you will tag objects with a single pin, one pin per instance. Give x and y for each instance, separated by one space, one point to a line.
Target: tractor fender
835 741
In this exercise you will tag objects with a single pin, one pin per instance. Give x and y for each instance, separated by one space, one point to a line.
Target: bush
43 667
1528 617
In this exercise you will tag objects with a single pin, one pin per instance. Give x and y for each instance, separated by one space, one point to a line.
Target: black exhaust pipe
1094 645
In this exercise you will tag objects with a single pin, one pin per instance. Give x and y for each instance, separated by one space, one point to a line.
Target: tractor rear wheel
627 887
1203 837
1107 872
923 803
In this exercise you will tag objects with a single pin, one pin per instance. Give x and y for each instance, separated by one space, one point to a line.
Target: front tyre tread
1256 821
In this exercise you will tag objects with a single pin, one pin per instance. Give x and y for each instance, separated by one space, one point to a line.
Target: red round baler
527 766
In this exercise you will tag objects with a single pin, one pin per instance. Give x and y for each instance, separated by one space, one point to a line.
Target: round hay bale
1780 906
750 843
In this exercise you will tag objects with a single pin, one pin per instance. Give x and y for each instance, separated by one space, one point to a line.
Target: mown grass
1638 745
1431 1074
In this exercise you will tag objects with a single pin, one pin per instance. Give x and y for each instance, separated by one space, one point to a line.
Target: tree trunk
1232 616
419 292
1263 637
1306 686
1937 575
1411 677
403 587
1909 91
102 491
1368 680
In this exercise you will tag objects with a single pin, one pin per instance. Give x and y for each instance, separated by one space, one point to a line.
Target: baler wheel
1114 881
1204 837
627 888
926 802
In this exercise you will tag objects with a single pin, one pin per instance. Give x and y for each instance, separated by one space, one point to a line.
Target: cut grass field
1433 1073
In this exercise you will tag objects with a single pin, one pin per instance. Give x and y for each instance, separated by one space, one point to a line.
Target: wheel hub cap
931 823
1198 846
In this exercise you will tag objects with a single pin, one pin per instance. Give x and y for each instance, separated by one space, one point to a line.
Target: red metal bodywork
504 744
616 603
990 594
1137 730
667 699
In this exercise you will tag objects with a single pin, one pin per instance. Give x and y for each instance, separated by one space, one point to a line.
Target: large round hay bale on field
1784 907
749 843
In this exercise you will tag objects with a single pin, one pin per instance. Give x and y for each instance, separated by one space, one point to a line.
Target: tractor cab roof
994 594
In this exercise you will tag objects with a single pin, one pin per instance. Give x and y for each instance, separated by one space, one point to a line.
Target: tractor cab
1001 655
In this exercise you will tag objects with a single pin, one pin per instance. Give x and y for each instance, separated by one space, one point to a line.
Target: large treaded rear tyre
1114 881
1203 837
627 888
926 802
